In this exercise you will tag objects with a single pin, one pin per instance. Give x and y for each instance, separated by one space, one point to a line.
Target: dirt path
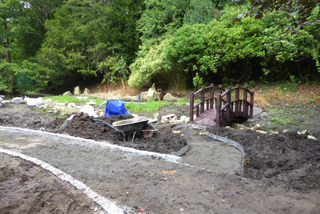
27 188
157 185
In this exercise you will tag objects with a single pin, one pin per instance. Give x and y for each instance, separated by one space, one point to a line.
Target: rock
284 131
135 115
144 96
100 113
264 115
273 132
183 118
169 97
238 126
48 103
71 105
187 120
56 110
173 119
60 104
153 87
228 127
176 122
86 91
77 91
33 101
305 132
16 100
88 110
91 103
257 127
311 137
261 132
67 93
130 98
151 92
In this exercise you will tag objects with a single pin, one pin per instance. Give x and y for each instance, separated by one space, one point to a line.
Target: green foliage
197 82
182 101
199 11
97 38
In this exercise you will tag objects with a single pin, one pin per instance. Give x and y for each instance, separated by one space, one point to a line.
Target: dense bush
238 51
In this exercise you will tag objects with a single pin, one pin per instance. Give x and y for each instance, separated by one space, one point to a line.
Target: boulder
49 103
169 97
86 91
16 100
144 96
67 93
77 90
130 98
88 110
151 92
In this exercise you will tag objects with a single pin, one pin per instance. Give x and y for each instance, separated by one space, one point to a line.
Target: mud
162 141
27 188
288 160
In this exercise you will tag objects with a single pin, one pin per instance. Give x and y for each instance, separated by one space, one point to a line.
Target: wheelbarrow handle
105 123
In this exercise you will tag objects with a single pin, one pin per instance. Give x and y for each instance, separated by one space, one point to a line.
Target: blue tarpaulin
114 108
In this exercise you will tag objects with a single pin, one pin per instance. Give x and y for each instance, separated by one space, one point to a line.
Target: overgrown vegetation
177 44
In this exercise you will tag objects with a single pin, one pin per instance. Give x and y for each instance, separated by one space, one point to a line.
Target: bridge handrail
226 108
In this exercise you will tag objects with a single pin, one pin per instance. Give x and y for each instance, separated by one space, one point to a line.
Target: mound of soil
162 141
287 159
27 188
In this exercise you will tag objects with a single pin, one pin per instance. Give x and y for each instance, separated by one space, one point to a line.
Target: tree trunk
7 55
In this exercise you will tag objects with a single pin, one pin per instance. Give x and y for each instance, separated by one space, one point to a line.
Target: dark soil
286 160
27 188
162 141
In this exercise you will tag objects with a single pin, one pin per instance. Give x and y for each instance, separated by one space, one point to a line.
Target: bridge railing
226 109
209 102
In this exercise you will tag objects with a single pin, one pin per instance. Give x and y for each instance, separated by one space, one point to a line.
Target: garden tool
159 117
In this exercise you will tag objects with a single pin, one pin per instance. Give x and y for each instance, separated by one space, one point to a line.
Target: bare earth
274 181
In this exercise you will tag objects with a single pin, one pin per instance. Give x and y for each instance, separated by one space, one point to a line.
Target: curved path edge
107 206
168 157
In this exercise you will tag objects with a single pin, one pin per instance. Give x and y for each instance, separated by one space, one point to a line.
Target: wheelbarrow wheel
147 133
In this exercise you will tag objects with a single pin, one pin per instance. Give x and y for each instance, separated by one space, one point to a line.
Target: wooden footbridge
226 105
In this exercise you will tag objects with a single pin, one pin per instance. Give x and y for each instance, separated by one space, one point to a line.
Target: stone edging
107 206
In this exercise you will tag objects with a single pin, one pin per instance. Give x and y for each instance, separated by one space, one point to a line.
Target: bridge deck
206 118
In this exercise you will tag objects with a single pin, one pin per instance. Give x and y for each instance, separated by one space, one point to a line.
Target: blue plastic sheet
114 108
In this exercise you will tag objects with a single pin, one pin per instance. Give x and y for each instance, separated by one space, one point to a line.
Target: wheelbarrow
132 125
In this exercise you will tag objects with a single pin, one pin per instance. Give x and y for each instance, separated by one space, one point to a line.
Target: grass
182 101
149 107
74 99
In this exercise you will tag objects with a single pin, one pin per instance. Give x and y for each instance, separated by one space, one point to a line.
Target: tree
298 9
91 38
10 12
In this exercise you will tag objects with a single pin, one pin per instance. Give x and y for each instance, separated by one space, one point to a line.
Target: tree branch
36 34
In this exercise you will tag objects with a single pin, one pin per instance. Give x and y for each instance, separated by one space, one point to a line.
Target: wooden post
202 100
218 109
228 116
211 95
191 106
237 101
245 102
251 102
